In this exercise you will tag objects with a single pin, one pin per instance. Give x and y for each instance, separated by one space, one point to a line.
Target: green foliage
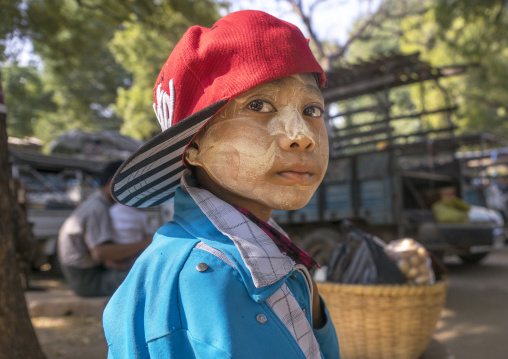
446 33
81 71
100 59
25 97
142 48
382 36
138 50
466 32
11 23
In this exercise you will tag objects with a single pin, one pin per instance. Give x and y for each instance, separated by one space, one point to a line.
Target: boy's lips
298 173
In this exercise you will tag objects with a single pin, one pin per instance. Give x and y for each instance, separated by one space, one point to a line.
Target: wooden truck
390 193
388 168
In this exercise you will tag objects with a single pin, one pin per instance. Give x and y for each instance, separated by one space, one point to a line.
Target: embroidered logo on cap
165 105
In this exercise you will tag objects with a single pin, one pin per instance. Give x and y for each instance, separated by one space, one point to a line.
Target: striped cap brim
150 176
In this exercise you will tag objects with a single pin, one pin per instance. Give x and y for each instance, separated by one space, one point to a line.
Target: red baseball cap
206 69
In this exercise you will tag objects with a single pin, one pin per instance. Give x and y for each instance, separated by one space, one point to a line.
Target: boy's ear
191 155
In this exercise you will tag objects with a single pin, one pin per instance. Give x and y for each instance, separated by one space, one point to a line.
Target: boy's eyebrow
314 90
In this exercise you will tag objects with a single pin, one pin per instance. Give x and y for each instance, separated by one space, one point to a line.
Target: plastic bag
451 210
412 259
361 259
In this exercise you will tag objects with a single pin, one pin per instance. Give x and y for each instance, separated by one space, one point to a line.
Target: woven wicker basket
383 321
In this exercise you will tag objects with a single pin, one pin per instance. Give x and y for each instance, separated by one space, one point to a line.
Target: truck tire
320 243
473 258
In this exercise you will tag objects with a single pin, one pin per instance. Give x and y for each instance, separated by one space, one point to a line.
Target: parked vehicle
390 160
54 185
390 193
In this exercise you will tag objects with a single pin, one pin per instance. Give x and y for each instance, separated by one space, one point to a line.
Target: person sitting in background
131 225
87 241
494 198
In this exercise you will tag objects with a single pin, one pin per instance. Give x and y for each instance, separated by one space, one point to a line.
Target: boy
241 102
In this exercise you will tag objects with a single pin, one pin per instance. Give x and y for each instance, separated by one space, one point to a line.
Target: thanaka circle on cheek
236 153
240 159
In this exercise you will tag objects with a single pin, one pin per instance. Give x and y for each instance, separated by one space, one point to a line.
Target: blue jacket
167 308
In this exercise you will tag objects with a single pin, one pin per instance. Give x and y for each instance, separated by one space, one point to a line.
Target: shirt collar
259 253
281 240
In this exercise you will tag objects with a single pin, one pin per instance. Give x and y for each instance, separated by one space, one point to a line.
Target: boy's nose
301 142
296 135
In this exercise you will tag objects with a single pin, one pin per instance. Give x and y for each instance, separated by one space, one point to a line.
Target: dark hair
316 77
109 171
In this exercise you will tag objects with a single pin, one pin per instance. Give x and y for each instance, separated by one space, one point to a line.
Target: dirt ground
474 324
71 337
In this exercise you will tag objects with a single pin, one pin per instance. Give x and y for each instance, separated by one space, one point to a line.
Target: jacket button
293 276
261 318
304 311
201 267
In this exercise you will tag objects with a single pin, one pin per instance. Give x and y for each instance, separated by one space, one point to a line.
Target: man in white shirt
131 225
86 242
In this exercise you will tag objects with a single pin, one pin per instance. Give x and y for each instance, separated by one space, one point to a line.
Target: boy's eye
260 106
313 111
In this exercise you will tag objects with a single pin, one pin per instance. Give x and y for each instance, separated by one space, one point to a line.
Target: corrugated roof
43 162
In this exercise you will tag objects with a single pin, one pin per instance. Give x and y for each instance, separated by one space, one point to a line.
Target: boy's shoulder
175 252
171 248
171 240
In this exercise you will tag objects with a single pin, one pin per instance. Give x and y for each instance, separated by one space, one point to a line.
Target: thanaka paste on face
265 160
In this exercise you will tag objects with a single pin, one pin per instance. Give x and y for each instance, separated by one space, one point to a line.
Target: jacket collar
221 226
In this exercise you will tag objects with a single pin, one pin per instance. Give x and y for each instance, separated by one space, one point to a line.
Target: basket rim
385 289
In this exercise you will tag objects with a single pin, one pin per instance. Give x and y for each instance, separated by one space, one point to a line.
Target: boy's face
267 149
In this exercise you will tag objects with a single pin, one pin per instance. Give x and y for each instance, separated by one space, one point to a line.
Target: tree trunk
17 336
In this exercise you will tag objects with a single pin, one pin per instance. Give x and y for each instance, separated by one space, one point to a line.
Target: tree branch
487 101
297 7
371 21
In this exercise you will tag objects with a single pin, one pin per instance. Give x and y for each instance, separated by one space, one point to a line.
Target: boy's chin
291 204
